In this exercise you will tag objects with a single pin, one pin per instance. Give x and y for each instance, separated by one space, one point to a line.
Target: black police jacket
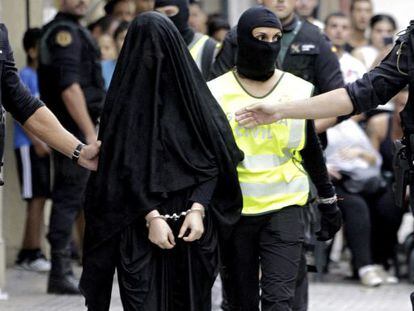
14 96
69 55
381 84
311 58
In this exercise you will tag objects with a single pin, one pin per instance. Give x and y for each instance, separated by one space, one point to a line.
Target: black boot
62 281
412 300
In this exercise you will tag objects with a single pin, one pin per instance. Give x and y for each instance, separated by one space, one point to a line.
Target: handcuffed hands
193 222
159 232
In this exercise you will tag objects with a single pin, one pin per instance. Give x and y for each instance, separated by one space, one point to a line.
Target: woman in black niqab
166 147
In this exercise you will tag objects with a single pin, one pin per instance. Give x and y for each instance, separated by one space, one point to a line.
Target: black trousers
68 194
274 243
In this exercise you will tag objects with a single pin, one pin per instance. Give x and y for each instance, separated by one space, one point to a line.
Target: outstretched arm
44 125
375 88
318 107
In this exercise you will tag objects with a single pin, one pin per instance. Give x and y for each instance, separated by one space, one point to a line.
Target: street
26 292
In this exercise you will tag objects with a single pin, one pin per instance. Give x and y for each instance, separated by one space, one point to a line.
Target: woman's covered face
169 10
267 34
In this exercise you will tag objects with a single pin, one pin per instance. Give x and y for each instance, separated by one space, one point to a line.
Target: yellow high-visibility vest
271 175
196 48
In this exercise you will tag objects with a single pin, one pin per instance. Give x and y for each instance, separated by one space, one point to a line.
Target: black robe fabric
162 132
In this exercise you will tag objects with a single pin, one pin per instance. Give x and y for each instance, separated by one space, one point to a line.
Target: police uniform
307 54
275 186
68 55
203 49
14 96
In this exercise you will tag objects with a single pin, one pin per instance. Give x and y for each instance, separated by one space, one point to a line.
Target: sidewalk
27 293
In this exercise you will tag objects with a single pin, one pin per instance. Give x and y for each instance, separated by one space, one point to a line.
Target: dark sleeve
314 163
329 76
66 48
16 98
202 193
226 57
382 83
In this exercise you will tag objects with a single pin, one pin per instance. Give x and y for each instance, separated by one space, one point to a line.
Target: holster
403 168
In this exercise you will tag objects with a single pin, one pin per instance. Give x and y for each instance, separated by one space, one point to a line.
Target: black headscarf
180 20
161 131
256 59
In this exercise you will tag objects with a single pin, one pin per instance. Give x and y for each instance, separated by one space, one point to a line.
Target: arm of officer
382 83
375 88
66 58
35 117
46 126
16 98
314 162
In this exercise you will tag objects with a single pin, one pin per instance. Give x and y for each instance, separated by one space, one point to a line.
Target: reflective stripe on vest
197 47
271 175
279 188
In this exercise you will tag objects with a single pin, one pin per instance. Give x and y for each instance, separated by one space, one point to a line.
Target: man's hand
193 222
41 149
89 156
258 114
90 139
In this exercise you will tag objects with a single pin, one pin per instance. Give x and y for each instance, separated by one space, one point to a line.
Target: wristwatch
76 153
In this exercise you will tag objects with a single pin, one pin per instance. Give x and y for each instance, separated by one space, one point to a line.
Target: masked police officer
70 82
202 48
376 87
33 115
305 53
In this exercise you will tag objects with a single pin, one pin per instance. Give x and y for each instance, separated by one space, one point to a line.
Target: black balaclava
181 19
256 59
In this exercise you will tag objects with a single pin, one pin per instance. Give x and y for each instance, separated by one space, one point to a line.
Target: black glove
331 221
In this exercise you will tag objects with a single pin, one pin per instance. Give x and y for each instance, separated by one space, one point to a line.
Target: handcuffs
176 216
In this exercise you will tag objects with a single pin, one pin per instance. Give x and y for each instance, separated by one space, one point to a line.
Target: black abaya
165 144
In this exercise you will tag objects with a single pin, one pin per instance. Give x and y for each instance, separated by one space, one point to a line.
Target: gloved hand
331 221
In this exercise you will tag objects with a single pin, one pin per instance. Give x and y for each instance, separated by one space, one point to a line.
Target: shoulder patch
64 38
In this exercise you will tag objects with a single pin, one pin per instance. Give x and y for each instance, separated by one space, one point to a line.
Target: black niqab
161 131
180 20
256 59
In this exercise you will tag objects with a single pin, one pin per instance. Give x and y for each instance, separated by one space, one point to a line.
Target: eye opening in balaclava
256 59
180 19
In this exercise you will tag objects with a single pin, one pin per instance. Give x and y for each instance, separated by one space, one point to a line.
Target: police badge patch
64 38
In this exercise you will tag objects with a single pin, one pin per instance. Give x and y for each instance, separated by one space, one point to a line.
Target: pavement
26 292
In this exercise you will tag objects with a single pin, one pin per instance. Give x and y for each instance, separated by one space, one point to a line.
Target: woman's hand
193 222
160 232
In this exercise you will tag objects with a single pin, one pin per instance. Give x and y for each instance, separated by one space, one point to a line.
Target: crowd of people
179 178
